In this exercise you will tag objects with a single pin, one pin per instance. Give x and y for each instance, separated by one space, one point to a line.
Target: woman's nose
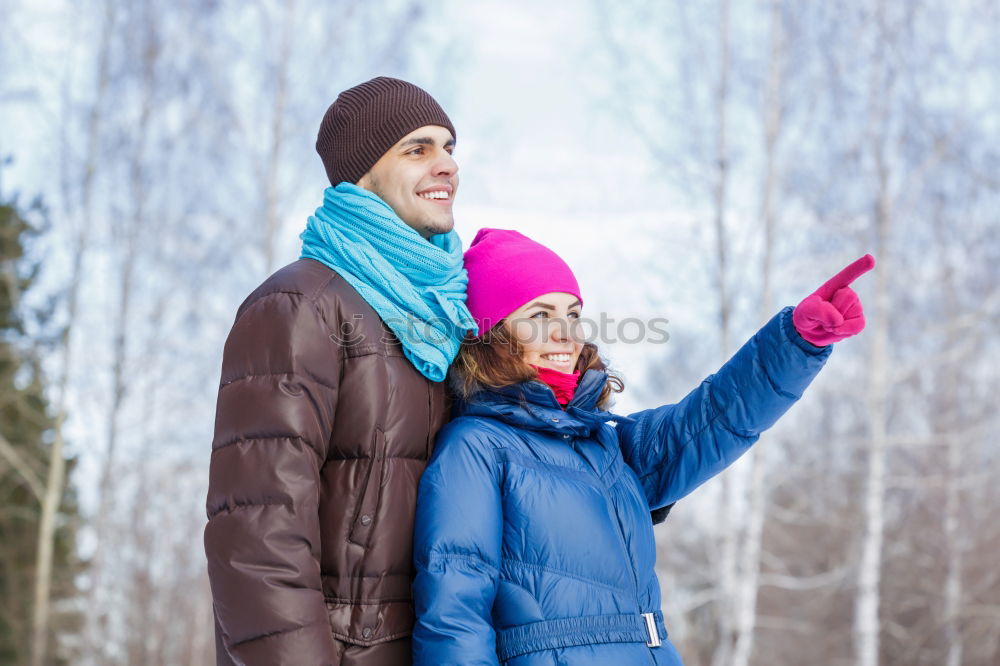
559 330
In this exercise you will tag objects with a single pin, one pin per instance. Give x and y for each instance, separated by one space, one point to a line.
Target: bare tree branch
22 467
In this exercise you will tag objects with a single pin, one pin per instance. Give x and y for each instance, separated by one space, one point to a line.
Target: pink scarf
561 383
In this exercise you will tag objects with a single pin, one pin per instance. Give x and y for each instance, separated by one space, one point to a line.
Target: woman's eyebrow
539 304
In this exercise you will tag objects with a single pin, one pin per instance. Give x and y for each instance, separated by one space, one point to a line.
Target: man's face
418 178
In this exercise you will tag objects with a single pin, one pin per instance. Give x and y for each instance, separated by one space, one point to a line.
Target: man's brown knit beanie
367 120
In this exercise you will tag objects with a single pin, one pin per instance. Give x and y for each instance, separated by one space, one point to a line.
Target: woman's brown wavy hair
494 360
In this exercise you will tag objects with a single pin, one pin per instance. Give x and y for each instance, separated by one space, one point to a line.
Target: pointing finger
845 277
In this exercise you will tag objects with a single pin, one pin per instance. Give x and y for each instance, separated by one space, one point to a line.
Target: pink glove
833 312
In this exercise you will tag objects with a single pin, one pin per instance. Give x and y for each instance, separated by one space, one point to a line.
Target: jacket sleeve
457 541
280 373
675 448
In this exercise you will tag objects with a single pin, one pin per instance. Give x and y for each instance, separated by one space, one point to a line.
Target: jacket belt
572 631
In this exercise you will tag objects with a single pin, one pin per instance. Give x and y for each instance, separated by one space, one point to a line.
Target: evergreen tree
25 436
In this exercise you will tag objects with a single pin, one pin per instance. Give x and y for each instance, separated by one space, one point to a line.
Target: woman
533 541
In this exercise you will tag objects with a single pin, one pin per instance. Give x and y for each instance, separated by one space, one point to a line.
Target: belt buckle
654 637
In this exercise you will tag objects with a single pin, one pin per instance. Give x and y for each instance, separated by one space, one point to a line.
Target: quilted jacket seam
273 634
564 574
255 375
472 559
235 506
259 438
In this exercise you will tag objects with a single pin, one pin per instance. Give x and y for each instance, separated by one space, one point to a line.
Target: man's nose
445 165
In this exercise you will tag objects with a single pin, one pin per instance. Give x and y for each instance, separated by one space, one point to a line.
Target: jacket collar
533 405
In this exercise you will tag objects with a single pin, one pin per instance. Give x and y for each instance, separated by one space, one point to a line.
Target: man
331 396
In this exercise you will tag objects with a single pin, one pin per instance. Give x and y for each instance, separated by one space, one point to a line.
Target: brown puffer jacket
322 431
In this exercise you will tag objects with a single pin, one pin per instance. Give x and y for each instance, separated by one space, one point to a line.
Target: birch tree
732 508
26 450
745 612
78 205
866 613
141 48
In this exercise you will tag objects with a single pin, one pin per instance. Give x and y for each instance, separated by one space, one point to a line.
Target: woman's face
548 331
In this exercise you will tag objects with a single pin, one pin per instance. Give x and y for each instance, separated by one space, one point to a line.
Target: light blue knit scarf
416 286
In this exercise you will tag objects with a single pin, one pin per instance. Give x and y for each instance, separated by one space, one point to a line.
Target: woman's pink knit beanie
506 270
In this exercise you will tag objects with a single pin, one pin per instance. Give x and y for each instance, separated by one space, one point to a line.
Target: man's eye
574 315
543 313
416 151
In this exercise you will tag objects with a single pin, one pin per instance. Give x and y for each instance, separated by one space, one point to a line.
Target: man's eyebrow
424 141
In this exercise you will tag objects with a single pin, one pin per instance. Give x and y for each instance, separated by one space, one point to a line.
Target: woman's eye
538 315
574 315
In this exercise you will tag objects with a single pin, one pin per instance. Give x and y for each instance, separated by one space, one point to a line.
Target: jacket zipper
621 540
628 558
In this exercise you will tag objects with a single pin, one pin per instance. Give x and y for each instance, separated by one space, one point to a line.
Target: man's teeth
557 358
441 194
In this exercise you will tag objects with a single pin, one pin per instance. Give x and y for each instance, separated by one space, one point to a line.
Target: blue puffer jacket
533 541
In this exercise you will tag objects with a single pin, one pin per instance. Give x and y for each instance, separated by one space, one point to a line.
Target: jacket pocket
364 516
